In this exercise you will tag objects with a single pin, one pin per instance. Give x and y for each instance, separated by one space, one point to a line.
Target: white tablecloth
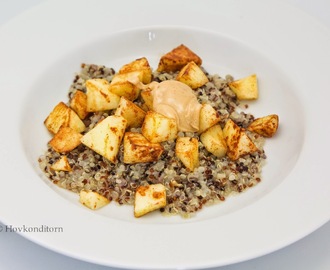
312 252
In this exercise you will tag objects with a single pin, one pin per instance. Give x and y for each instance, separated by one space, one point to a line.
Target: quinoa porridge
187 191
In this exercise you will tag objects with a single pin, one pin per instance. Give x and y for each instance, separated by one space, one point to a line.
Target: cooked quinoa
187 192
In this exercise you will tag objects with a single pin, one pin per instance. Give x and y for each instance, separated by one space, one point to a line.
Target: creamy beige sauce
175 100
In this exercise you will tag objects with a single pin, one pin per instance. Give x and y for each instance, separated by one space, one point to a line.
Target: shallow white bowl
290 202
221 55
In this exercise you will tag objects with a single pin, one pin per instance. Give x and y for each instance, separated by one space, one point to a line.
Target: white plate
41 50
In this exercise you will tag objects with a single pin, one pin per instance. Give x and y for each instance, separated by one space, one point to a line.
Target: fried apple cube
99 96
245 88
192 75
186 149
62 165
265 126
159 128
63 116
238 142
105 138
131 112
149 198
177 59
147 98
125 84
214 141
208 117
65 140
79 104
138 149
140 64
92 199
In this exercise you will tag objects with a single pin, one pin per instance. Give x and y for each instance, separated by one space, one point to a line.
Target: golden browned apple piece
99 96
149 198
245 88
79 104
65 140
192 75
105 138
138 149
177 59
214 141
186 149
265 126
238 142
63 116
92 199
140 64
131 112
208 117
159 128
124 84
62 164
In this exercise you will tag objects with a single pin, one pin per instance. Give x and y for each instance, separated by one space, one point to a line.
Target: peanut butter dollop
177 100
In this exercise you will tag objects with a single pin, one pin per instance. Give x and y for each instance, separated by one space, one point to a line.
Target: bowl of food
136 144
174 138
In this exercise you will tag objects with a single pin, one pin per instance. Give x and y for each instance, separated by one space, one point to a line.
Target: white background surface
312 252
